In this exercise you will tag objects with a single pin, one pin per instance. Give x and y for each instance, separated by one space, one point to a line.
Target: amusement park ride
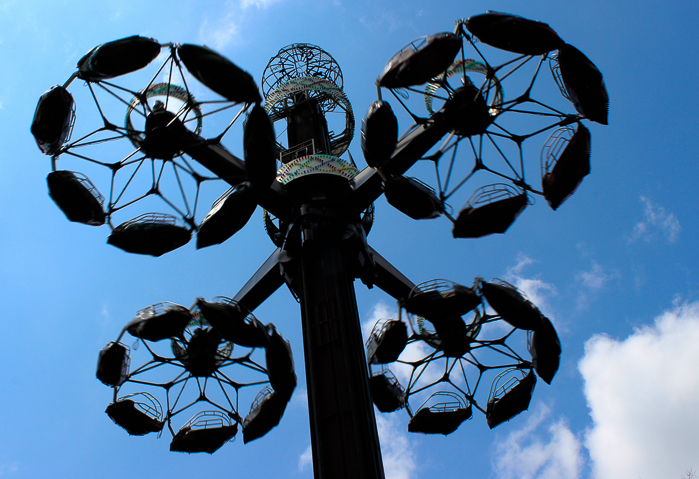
162 115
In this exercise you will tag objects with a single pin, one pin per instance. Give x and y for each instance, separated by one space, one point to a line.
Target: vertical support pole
343 426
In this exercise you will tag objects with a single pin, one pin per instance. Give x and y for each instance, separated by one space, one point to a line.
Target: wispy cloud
522 262
397 451
537 450
537 291
414 352
219 32
591 282
8 468
657 222
306 459
225 29
106 320
378 312
642 394
118 13
257 3
595 278
388 20
300 398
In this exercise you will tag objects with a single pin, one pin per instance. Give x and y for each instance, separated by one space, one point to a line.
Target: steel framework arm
266 280
389 279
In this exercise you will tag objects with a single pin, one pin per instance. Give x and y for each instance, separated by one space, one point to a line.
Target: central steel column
343 427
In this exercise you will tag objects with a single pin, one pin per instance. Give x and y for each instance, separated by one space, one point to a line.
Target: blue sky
615 267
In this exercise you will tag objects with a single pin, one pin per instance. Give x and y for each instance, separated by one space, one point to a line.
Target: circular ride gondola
487 106
201 361
463 352
161 112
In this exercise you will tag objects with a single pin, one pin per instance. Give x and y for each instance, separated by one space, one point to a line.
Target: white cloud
306 458
642 393
537 452
656 221
219 32
432 372
536 290
412 353
397 450
380 311
300 397
592 281
257 3
522 262
106 321
8 468
388 20
595 278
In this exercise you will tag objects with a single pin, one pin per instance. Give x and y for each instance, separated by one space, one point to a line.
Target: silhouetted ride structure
164 111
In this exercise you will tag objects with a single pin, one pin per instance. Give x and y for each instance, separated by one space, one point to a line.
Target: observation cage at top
478 101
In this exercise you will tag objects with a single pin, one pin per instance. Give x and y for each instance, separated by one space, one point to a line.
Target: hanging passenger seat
442 413
205 432
139 414
490 209
510 395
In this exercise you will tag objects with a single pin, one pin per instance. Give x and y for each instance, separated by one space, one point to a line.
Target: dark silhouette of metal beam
266 280
343 427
